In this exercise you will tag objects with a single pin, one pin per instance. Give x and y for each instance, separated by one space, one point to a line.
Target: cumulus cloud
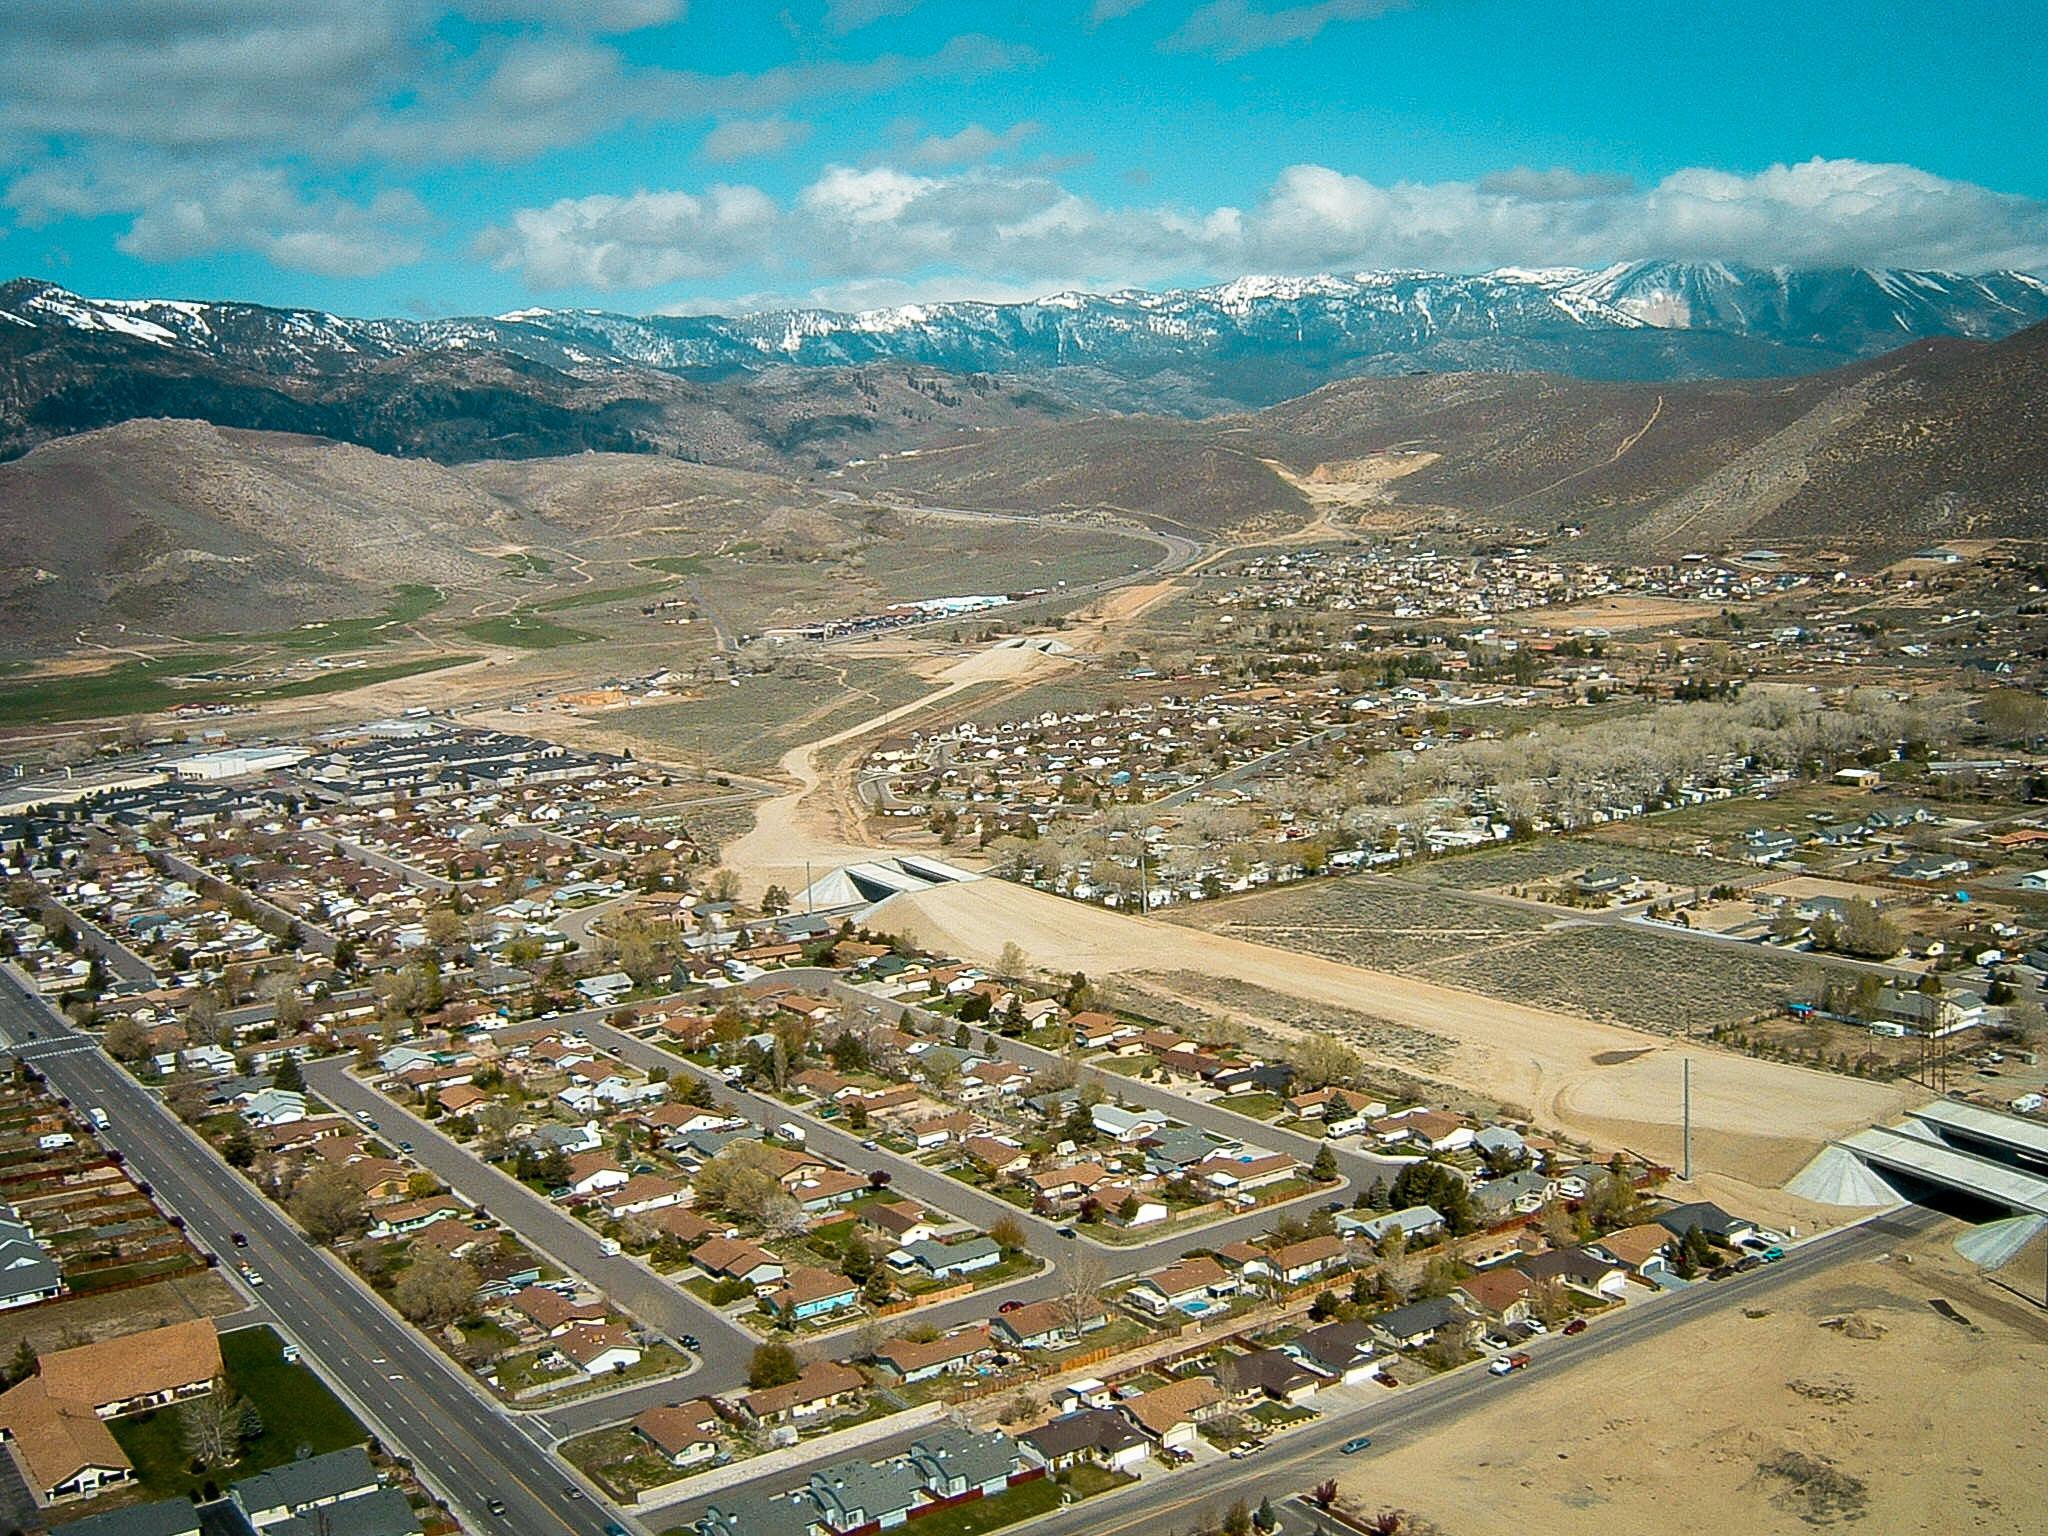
969 146
262 212
748 138
1112 10
583 15
994 230
1230 29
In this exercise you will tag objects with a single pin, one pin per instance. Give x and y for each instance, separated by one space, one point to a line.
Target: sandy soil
1930 1426
1625 612
1752 1120
814 824
87 1319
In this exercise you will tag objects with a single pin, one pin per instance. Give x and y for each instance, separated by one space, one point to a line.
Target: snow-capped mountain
1650 319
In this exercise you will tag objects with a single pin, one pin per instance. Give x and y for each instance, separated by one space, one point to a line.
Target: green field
129 688
297 1410
525 632
409 603
730 725
347 678
591 597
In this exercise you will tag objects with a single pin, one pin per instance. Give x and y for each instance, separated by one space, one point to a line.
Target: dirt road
1752 1120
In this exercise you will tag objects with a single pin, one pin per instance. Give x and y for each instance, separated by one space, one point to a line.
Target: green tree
1437 1185
774 1364
289 1077
435 1290
21 1365
1008 1233
1324 1167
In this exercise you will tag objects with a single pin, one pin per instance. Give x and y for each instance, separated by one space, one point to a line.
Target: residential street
406 1391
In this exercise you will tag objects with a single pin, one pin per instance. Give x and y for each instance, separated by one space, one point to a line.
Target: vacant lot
1904 1421
749 727
1524 863
1662 984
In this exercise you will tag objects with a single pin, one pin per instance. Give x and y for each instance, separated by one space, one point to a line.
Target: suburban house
1170 1415
1000 1157
1232 1173
733 1258
1100 1436
1501 1293
1048 1324
1414 1223
595 1348
1185 1284
955 1463
1642 1250
1299 1263
824 1384
1340 1350
753 1514
1268 1373
865 1495
685 1433
942 1261
298 1487
27 1272
127 1375
910 1360
808 1291
1416 1324
552 1312
1709 1218
641 1193
591 1173
1127 1126
904 1221
1522 1193
63 1448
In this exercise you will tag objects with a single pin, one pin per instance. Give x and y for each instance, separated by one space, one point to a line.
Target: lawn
1085 1480
131 687
342 679
591 597
524 632
621 1462
1026 1501
410 602
297 1410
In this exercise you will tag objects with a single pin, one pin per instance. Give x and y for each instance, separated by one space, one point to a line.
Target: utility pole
807 888
1688 1119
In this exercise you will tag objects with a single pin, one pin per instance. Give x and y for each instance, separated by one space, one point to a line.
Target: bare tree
210 1427
1081 1283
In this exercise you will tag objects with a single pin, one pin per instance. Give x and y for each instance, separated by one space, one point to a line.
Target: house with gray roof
1417 1323
295 1487
387 1512
1413 1222
955 1461
790 1514
166 1517
853 1494
943 1260
27 1272
1098 1435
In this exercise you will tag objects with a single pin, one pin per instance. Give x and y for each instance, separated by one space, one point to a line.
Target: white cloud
261 212
969 146
985 230
1230 29
747 138
843 16
582 15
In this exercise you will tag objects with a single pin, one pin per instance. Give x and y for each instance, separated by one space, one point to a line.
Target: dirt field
1761 1425
1752 1120
85 1319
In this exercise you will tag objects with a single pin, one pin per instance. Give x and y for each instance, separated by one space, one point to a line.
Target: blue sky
397 156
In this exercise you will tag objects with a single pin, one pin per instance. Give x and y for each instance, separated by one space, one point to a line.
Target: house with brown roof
1299 1263
1169 1416
685 1433
552 1312
808 1292
1642 1250
642 1192
1048 1324
458 1098
824 1384
910 1360
61 1445
137 1371
1501 1293
1186 1283
999 1157
596 1348
903 1220
733 1258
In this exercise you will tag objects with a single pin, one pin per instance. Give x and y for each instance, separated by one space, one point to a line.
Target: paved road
1195 1498
406 1390
121 961
666 1308
317 938
1358 1166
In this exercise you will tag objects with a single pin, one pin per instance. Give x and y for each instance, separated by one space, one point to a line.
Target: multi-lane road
403 1387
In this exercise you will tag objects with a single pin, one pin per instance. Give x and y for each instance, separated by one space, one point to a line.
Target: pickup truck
1502 1365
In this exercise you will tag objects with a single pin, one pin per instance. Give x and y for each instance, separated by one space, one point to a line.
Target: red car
1576 1326
1009 1306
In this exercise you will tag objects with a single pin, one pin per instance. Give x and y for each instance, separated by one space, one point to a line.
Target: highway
407 1391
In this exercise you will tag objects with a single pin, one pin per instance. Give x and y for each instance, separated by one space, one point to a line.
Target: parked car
1575 1327
1066 1232
689 1341
1355 1444
1009 1306
1239 1452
